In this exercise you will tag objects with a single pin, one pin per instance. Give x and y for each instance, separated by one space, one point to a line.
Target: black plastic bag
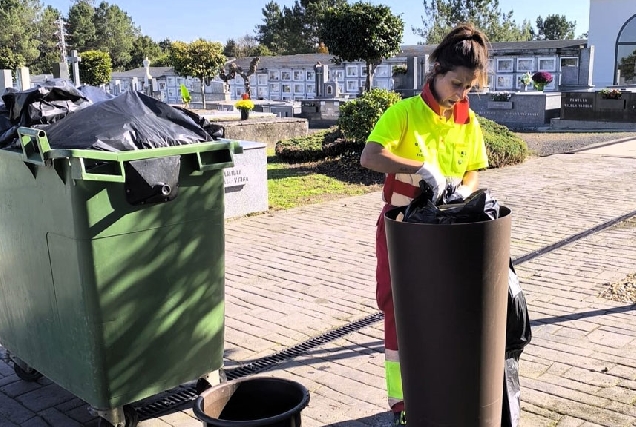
518 335
479 206
214 130
511 408
47 103
95 94
518 330
130 121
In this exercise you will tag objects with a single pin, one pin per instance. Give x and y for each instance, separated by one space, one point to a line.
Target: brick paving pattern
295 274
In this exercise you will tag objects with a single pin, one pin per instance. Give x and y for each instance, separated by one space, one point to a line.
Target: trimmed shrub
358 117
504 148
306 148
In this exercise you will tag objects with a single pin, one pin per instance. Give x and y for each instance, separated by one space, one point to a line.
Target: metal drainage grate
184 394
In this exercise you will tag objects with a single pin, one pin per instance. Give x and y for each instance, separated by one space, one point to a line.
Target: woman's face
454 86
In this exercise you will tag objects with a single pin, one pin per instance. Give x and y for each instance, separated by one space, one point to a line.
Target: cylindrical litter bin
450 284
112 301
253 402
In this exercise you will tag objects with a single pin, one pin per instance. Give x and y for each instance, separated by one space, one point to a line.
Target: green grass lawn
290 186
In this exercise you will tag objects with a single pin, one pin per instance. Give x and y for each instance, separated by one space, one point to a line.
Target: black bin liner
37 107
47 103
518 335
130 121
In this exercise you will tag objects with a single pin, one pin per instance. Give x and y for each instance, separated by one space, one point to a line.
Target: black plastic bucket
252 402
450 290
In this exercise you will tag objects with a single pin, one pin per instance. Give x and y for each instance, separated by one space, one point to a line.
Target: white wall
606 19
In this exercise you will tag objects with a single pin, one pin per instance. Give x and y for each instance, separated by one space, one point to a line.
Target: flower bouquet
244 105
540 79
611 94
526 79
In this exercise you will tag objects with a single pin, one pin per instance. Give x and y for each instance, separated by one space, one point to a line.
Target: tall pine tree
440 16
19 42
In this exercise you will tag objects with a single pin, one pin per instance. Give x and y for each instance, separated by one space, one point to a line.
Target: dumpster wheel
130 414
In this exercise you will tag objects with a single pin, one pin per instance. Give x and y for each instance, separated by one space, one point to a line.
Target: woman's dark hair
464 46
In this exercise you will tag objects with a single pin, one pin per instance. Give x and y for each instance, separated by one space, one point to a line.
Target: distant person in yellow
435 137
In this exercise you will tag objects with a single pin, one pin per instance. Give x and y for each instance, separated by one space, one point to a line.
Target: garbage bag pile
89 118
482 206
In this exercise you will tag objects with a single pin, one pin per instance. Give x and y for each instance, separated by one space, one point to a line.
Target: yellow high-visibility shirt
412 130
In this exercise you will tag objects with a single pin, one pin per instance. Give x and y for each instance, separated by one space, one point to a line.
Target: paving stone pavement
295 274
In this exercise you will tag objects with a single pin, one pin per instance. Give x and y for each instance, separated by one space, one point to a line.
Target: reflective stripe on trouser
384 298
393 377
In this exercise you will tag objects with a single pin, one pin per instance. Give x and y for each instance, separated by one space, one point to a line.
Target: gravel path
546 143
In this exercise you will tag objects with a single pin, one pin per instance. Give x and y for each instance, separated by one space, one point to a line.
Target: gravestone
569 76
147 76
322 71
75 59
61 71
578 105
524 110
6 80
246 182
134 84
24 78
117 87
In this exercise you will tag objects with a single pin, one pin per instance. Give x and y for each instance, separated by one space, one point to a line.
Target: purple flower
542 77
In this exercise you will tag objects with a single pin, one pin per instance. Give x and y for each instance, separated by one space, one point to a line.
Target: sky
220 20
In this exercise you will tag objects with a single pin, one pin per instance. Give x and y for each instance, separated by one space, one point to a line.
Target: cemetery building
166 84
569 61
613 34
293 77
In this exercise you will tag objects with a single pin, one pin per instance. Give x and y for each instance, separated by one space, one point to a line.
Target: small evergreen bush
504 148
358 117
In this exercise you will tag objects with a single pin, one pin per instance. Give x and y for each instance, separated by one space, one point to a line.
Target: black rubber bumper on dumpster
450 284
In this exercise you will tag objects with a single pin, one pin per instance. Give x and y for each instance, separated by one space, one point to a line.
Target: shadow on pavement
583 315
383 419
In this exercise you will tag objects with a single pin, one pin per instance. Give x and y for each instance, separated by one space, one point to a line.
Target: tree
201 58
246 46
293 29
115 33
440 16
362 32
48 36
81 26
237 69
95 67
268 33
555 27
19 41
144 46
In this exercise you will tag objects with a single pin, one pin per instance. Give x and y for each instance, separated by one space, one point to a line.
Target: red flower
542 77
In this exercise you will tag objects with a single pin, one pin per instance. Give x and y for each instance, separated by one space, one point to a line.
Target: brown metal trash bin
450 284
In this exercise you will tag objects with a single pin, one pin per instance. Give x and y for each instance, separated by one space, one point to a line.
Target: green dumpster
111 301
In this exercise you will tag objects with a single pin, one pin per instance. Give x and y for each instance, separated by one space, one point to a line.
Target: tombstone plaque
134 84
24 78
569 75
577 106
60 71
6 80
